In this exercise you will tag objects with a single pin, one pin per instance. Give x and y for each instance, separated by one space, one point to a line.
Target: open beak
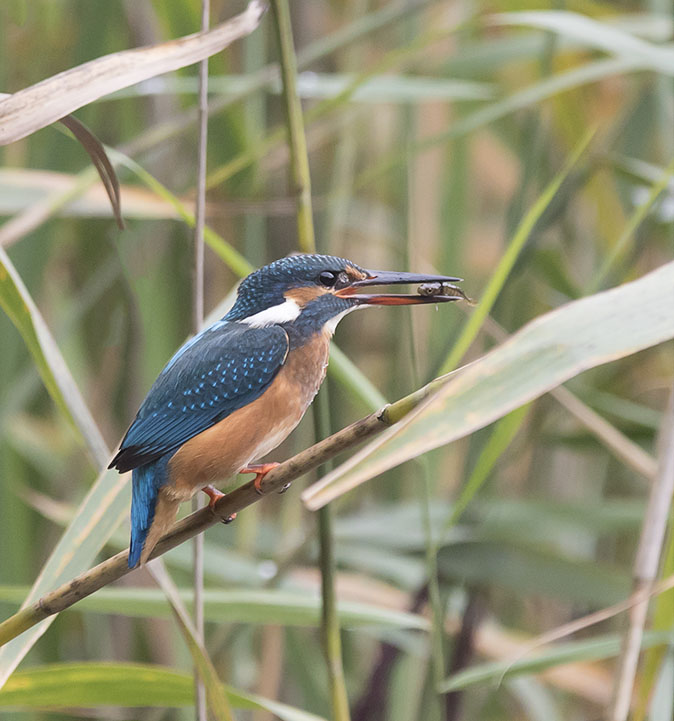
386 277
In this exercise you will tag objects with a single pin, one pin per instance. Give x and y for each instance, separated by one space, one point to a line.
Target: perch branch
276 480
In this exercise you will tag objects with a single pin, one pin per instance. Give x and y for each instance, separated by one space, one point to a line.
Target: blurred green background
432 129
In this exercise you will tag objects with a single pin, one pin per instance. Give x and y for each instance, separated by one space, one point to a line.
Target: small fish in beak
444 289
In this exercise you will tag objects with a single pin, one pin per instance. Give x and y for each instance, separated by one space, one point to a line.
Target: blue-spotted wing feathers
222 369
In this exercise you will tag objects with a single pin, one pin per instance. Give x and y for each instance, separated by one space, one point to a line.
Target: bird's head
313 292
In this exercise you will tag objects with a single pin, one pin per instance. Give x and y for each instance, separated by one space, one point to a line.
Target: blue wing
224 368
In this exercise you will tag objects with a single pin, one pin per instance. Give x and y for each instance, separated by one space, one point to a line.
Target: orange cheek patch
304 295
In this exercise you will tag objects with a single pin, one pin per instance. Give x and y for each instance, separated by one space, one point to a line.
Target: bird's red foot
260 470
215 495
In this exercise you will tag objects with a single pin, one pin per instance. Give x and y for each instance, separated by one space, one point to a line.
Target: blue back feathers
224 368
229 364
214 374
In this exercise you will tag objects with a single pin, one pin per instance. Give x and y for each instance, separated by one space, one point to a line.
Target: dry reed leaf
101 162
50 100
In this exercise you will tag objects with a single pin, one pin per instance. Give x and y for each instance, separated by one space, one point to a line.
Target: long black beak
438 284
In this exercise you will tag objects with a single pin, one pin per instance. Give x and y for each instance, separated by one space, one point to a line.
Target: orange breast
249 433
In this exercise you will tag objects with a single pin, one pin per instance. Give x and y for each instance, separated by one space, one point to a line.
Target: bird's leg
260 470
215 495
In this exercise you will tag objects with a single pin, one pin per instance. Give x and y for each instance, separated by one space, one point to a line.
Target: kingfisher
233 392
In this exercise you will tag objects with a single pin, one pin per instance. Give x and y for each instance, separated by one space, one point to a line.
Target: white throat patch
331 325
281 313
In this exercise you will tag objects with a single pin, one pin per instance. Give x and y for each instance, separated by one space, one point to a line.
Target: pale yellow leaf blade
545 353
51 99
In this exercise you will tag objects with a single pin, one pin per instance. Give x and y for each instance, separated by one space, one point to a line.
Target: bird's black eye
327 278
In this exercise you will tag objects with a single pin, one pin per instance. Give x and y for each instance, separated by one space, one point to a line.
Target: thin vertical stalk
254 109
332 641
410 180
255 49
197 321
299 162
646 566
216 696
434 596
200 205
437 635
653 664
329 619
346 147
299 159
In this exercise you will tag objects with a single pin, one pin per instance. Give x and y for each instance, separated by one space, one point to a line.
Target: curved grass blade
595 34
544 354
313 52
310 85
101 162
123 685
16 301
256 606
594 649
104 506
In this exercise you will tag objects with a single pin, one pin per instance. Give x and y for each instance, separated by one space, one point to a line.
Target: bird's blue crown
265 287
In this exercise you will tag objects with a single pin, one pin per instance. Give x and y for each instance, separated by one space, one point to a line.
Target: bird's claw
214 494
260 470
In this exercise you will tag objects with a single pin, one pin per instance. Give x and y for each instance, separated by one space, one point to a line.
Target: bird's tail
148 508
